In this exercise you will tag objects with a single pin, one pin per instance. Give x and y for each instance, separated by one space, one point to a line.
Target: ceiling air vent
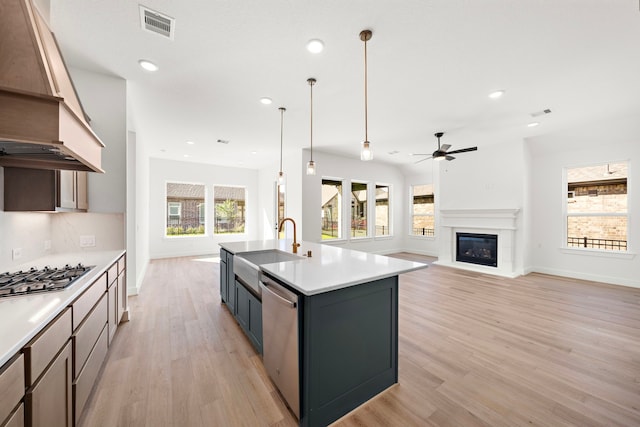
156 22
541 113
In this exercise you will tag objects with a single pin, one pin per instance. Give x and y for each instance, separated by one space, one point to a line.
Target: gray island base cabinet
349 348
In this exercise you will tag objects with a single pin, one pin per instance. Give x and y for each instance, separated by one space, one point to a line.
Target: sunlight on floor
215 259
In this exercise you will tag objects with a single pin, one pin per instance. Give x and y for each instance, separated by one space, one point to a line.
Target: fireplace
477 248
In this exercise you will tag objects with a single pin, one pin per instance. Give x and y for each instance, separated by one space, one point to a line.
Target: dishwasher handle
282 295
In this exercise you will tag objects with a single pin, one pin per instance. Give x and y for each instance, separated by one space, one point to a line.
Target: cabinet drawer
84 384
43 348
112 274
17 418
11 385
87 334
83 305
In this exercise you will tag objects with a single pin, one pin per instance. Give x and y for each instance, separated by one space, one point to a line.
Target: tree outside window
422 210
596 211
184 203
331 214
230 207
382 210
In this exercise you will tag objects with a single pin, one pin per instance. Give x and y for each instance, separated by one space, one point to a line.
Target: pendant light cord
311 83
366 103
282 110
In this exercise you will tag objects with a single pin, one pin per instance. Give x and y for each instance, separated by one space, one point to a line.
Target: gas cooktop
40 280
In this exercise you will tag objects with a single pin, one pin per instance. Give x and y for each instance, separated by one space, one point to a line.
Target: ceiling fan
441 153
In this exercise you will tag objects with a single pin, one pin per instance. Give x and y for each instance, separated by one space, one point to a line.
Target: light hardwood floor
474 350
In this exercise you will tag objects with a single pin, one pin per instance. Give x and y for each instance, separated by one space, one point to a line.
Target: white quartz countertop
329 268
23 316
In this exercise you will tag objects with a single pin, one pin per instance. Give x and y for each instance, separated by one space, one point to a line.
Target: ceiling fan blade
463 150
422 160
445 147
449 158
420 154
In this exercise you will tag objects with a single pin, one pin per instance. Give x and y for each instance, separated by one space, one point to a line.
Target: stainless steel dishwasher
280 339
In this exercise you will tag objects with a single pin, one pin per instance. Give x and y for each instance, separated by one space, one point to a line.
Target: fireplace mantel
502 222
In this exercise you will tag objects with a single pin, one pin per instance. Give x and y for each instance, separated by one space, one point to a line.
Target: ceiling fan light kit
441 153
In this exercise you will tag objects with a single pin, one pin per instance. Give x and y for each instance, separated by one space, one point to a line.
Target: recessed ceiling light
186 155
497 94
254 152
533 124
148 65
266 101
190 142
315 46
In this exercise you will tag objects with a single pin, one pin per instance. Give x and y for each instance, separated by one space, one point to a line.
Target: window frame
366 210
342 211
181 208
389 211
564 245
243 210
412 215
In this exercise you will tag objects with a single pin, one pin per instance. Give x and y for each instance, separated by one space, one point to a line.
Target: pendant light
311 165
365 153
282 178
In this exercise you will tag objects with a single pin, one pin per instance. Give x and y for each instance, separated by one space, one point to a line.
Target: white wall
598 143
163 171
494 177
104 99
332 166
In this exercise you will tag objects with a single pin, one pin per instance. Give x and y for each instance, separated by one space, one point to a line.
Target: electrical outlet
87 241
16 253
47 245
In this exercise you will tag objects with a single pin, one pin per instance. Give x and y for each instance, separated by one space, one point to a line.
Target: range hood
42 122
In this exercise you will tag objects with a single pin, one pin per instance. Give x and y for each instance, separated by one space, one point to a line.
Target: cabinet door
242 306
112 308
49 401
82 199
231 284
67 189
223 279
255 322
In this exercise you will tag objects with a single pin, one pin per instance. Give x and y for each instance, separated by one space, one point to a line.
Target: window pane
281 193
331 209
597 206
184 203
382 210
423 210
229 210
358 209
600 232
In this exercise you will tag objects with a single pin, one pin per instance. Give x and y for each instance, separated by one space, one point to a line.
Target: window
596 208
331 209
382 210
359 209
422 210
185 205
229 210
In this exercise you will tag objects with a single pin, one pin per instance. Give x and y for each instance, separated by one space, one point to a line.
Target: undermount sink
246 265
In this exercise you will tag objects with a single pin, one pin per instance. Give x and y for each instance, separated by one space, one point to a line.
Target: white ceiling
432 64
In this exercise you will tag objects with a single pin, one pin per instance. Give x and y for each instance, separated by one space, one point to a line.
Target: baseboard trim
621 281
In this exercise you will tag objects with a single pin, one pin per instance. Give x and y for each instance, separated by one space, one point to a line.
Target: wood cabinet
249 315
11 390
45 190
117 296
16 419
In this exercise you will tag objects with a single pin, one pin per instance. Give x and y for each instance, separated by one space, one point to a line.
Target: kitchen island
348 323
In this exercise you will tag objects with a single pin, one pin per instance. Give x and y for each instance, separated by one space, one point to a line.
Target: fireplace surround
503 223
